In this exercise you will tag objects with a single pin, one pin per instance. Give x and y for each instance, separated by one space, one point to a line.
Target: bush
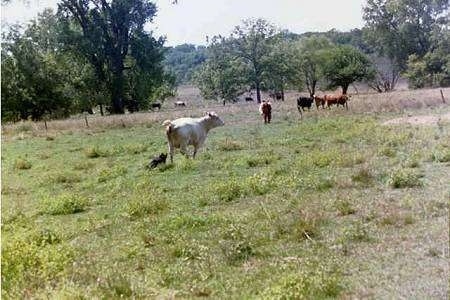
237 245
404 178
441 156
26 261
145 205
363 176
22 164
228 190
260 184
229 145
94 152
315 280
345 207
63 204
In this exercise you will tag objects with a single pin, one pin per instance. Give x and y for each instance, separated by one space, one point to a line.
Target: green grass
258 214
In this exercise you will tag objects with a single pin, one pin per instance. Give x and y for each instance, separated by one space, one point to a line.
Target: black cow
248 99
155 105
303 102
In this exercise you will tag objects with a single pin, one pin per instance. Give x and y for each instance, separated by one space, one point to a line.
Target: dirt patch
420 120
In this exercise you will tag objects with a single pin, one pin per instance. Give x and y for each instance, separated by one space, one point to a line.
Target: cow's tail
169 126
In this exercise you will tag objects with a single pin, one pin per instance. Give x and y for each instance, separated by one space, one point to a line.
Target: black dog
161 159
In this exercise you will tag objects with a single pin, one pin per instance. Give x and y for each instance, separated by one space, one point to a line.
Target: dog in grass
161 159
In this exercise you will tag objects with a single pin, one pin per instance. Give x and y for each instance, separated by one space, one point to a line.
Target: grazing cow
248 99
180 103
155 105
276 96
320 101
265 109
161 159
303 102
190 131
336 100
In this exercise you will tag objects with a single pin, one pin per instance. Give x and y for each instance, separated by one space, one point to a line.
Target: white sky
190 21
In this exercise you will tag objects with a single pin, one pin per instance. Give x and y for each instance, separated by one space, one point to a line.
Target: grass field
331 205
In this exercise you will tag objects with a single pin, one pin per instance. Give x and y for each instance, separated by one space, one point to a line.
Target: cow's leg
183 149
171 148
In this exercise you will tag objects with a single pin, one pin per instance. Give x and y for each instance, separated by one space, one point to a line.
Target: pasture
334 204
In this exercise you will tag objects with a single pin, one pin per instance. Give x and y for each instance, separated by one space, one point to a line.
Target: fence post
442 96
85 119
45 124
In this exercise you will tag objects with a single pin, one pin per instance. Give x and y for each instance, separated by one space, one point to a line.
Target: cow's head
216 121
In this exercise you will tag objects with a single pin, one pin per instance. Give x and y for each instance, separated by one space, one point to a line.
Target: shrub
322 160
441 156
388 151
63 204
260 184
237 245
110 173
22 164
146 204
363 176
345 207
26 261
228 190
357 233
229 145
404 178
94 152
259 160
315 280
65 177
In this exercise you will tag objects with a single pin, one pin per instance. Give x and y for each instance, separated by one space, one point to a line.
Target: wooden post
85 119
45 124
442 96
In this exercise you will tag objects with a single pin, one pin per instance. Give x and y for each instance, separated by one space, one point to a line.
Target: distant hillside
182 60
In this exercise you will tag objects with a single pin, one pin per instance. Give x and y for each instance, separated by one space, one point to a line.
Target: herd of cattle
324 101
184 132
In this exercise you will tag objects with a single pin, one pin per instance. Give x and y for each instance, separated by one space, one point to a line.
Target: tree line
96 53
407 38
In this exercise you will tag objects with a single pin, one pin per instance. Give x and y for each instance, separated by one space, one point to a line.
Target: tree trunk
101 110
345 88
258 92
282 94
313 88
117 92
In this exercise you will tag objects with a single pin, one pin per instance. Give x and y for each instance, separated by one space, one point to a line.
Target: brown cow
319 101
265 109
331 100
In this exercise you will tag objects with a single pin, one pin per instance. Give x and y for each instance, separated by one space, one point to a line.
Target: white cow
190 131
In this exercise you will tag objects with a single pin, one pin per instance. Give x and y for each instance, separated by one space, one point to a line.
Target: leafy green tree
222 76
344 65
252 43
111 36
311 53
281 70
433 69
34 76
398 29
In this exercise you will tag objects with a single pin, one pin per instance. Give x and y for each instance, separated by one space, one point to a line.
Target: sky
190 21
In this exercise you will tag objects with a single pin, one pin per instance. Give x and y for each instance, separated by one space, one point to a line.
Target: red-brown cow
331 100
320 101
